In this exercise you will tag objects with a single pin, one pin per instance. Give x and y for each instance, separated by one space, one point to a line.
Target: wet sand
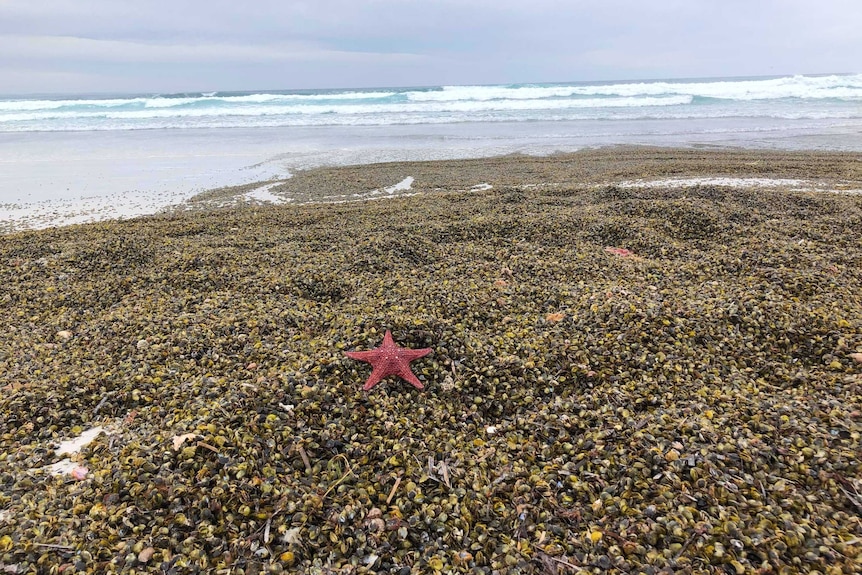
603 166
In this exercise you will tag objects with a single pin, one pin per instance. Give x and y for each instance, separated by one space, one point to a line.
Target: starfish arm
411 354
410 377
387 340
365 356
377 374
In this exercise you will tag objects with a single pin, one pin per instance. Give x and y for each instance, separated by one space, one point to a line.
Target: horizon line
51 94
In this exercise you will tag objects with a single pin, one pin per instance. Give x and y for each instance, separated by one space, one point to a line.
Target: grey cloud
66 48
390 42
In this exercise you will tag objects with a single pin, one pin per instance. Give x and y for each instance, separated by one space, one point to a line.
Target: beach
645 360
76 158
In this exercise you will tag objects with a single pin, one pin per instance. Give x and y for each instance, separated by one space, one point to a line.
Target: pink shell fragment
79 473
622 252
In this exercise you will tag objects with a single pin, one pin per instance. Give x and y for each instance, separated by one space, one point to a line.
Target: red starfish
389 359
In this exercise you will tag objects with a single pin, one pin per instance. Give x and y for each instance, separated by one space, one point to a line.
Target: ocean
142 151
792 99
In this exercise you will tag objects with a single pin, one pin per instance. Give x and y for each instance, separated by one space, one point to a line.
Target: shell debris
694 409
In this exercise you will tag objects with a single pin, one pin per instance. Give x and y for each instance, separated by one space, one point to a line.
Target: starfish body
390 359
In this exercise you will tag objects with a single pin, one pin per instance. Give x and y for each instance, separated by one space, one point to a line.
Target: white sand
72 446
63 467
48 213
738 182
792 184
264 195
404 184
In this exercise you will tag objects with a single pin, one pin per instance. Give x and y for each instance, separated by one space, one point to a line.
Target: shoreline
293 187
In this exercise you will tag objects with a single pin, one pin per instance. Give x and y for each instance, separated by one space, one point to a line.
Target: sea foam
789 97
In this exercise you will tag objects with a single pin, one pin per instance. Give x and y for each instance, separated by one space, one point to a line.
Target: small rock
143 344
146 554
64 334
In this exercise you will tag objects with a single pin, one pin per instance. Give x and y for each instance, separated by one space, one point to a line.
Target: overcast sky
184 45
